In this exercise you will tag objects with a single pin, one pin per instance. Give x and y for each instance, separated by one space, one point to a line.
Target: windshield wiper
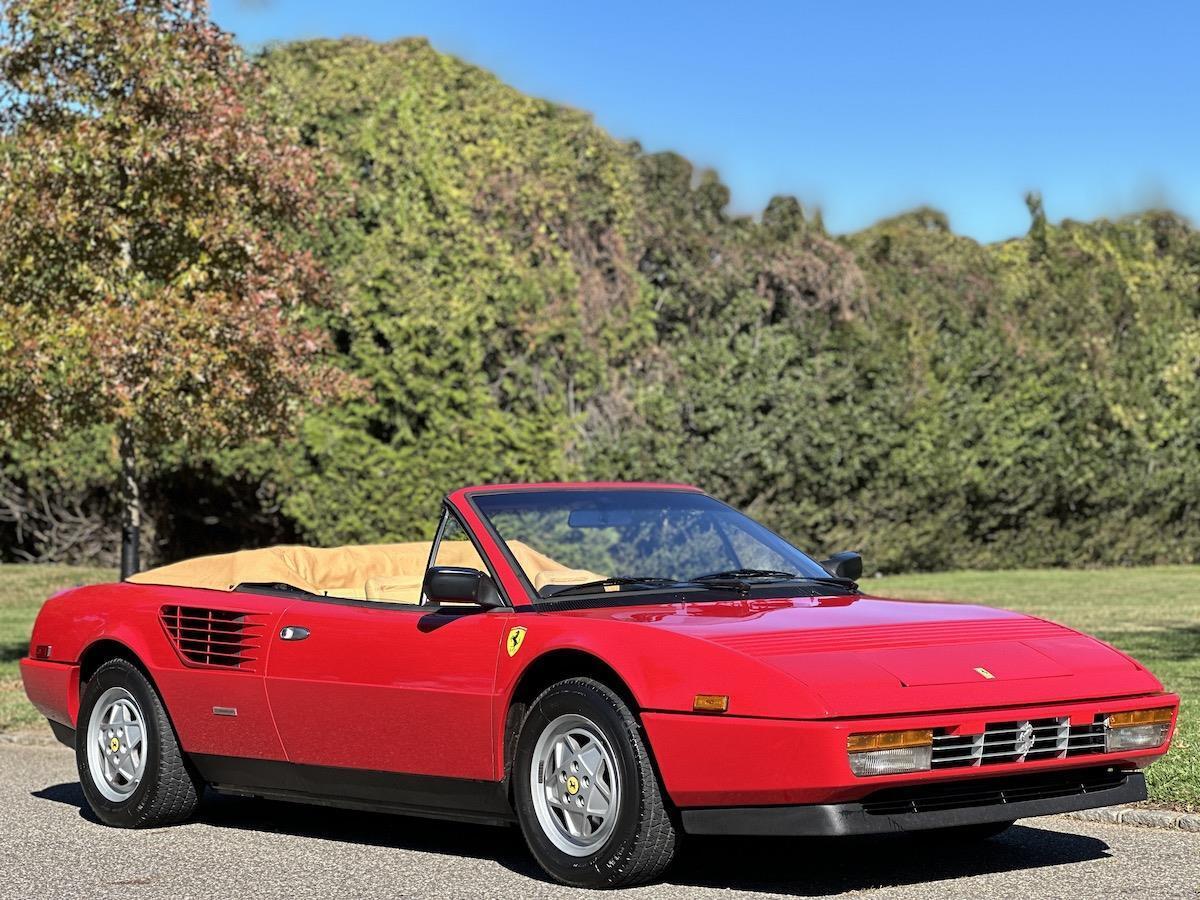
729 580
612 582
831 580
746 573
742 588
775 575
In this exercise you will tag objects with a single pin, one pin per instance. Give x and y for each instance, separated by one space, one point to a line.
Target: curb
1147 818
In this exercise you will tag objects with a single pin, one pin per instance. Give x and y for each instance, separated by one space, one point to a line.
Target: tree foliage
490 288
153 226
528 298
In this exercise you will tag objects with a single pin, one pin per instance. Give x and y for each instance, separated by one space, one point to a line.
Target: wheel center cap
572 785
114 745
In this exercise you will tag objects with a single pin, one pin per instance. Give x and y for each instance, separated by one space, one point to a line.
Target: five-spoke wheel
131 768
576 786
585 792
116 750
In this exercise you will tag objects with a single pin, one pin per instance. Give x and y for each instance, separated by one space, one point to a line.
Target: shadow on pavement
503 845
799 867
816 867
69 793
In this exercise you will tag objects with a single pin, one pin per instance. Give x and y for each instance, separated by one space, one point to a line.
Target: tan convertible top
387 572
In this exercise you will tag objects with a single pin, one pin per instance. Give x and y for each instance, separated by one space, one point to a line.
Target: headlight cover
1142 729
890 752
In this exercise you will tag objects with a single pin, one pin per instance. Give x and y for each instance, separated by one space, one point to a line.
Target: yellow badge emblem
516 637
985 673
572 785
114 745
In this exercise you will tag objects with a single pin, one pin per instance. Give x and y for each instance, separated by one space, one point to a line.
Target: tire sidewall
595 702
130 812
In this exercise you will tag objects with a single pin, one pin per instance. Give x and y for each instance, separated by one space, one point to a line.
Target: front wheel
131 768
585 791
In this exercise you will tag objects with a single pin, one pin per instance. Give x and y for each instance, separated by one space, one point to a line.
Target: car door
388 687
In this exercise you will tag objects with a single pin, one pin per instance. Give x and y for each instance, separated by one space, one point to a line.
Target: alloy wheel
575 785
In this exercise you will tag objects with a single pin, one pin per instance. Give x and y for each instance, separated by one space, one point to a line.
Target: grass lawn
1152 613
23 589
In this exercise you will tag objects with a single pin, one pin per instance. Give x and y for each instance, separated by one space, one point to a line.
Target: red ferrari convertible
610 666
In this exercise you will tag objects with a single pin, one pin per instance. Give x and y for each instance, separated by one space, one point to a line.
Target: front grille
991 791
213 637
1024 740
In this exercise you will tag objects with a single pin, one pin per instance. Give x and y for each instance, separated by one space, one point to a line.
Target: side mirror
456 584
846 564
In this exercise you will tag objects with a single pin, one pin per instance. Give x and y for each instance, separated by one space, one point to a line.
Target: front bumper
946 805
730 761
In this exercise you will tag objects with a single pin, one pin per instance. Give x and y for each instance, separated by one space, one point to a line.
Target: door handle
293 633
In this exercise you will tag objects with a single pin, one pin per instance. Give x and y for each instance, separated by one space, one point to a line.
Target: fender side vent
214 638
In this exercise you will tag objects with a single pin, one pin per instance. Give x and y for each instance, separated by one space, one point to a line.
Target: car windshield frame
803 582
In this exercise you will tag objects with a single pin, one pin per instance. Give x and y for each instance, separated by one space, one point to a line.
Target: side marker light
711 703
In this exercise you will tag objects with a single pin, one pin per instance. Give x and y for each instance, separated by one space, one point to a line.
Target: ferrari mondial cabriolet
610 666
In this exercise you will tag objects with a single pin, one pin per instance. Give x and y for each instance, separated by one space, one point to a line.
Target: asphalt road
51 847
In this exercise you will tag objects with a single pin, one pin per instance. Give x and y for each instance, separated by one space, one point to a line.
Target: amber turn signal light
1141 717
889 740
717 703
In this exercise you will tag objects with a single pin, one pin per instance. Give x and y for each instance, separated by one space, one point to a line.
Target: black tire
643 839
169 790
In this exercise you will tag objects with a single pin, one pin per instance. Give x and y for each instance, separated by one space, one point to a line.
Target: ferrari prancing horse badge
516 637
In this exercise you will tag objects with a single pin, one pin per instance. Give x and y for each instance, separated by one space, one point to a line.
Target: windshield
564 540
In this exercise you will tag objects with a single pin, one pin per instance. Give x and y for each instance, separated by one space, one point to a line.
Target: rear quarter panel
77 621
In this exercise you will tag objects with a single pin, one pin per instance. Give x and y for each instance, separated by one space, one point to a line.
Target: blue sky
865 109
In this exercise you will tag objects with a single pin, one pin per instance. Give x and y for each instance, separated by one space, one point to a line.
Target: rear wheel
585 792
131 768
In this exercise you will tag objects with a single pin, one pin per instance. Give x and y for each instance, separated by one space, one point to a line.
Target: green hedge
531 299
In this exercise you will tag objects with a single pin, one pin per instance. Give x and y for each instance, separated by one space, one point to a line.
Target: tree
491 290
153 275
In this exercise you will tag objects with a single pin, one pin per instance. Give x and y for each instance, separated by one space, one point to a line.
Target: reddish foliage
152 273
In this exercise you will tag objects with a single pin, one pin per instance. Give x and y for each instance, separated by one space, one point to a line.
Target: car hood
869 656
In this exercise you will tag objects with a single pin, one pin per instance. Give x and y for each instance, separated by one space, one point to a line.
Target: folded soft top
386 572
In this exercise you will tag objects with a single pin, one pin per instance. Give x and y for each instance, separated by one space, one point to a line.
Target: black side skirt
431 796
948 805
